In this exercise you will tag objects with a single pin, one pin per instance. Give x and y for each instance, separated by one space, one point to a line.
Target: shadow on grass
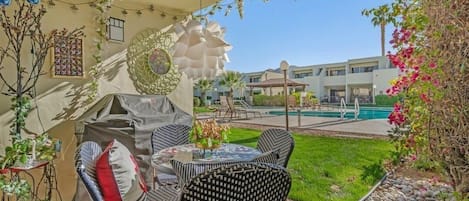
243 141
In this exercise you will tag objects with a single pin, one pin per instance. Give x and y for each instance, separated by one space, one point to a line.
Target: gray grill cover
130 119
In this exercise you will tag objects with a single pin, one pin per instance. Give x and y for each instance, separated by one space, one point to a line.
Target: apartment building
361 78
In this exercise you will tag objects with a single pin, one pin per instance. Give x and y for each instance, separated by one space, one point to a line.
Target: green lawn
325 168
202 110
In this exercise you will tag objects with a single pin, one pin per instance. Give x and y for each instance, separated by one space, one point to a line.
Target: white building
361 78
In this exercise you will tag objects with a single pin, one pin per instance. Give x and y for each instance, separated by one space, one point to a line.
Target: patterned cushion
186 171
118 174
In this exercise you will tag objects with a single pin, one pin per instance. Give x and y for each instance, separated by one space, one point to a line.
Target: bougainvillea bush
431 50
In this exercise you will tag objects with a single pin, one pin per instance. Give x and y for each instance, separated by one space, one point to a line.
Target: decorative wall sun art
159 61
150 65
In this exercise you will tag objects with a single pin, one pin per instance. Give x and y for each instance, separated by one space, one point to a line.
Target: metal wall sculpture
67 57
150 65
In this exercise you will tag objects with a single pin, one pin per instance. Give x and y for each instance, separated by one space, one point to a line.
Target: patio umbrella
200 52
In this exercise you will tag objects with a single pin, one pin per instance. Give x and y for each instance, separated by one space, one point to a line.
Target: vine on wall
102 18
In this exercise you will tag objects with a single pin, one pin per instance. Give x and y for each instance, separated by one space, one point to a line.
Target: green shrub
265 100
386 100
372 173
197 101
309 95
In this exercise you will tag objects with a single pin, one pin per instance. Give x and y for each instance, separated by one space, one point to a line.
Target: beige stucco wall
360 78
62 99
314 85
382 79
334 80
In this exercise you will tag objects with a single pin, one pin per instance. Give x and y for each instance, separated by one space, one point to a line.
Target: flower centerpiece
208 134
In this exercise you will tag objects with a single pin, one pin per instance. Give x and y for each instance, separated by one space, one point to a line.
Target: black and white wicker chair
84 163
241 181
186 171
85 166
277 139
164 137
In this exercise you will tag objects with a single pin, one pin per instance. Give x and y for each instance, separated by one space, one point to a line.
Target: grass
325 168
202 110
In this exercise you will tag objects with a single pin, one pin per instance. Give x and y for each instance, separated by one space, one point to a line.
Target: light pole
284 67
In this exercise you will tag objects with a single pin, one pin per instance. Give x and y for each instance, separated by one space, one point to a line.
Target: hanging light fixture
51 3
200 51
74 7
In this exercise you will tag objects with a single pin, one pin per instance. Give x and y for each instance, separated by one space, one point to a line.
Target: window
335 72
302 75
115 29
254 79
364 69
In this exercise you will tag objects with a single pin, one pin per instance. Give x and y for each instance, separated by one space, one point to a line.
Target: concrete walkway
377 128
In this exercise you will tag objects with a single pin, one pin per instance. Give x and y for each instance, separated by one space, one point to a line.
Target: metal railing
356 108
343 108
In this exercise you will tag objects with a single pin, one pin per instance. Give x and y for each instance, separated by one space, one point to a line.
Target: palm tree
232 80
381 17
204 85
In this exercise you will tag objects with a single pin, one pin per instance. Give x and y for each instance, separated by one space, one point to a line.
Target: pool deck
330 126
377 128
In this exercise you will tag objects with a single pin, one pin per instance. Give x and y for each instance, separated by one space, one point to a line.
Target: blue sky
303 32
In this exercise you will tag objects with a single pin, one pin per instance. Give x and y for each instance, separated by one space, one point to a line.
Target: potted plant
208 134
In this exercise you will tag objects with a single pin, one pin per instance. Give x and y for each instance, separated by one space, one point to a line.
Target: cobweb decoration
200 52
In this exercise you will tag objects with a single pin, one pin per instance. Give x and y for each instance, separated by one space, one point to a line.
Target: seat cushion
118 174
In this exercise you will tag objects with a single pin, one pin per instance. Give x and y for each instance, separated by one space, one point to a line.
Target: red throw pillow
118 174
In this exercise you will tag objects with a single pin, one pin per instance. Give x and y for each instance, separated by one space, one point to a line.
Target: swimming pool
365 113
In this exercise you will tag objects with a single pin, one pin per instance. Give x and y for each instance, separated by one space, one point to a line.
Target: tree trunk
383 30
19 96
203 97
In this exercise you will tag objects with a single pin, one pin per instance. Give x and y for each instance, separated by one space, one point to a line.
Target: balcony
334 80
360 78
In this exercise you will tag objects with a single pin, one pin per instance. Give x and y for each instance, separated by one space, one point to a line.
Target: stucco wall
62 99
382 79
61 16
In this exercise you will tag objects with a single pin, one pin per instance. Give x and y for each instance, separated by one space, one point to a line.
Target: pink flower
426 78
425 98
432 65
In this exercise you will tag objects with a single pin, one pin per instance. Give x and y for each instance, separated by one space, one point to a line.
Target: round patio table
189 152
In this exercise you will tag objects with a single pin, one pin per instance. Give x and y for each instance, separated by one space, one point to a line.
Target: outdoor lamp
284 67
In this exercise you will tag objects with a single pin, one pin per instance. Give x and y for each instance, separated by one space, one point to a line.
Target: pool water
365 113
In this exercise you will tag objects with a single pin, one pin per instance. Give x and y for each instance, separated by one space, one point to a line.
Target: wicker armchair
277 139
85 167
164 137
242 181
84 163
